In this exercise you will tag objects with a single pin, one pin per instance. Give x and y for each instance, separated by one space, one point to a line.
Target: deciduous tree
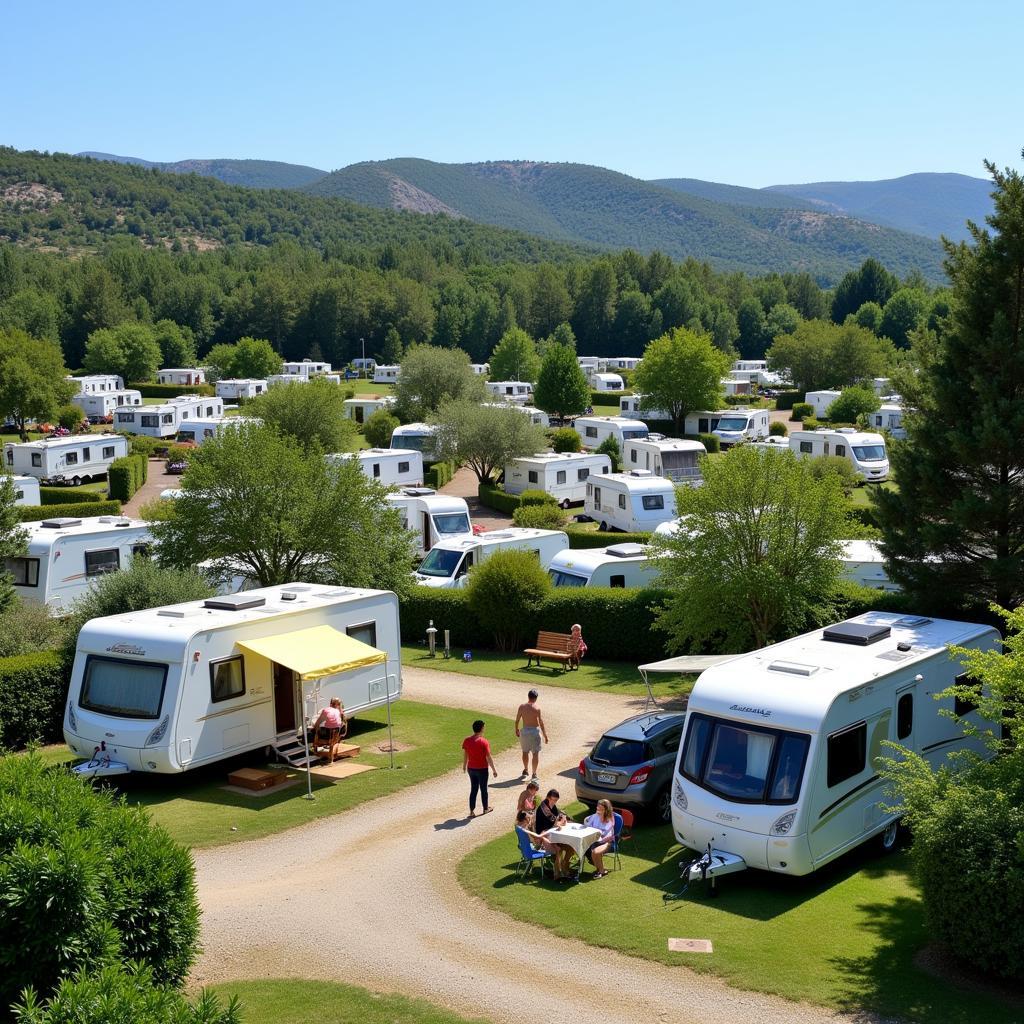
853 403
432 375
313 413
32 384
822 355
562 386
515 357
129 349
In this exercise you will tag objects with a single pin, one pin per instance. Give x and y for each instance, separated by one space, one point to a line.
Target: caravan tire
603 527
75 481
889 837
565 504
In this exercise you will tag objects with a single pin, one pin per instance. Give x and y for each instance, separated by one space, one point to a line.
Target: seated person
330 726
541 842
603 819
548 812
528 802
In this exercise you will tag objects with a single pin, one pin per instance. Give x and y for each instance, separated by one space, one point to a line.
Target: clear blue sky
748 92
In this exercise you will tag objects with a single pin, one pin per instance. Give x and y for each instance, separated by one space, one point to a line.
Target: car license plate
606 777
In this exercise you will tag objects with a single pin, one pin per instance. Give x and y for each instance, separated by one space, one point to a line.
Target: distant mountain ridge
249 173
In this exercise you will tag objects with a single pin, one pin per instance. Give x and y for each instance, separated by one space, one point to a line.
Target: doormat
258 794
690 946
341 770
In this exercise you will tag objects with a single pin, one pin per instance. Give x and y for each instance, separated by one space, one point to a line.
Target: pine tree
955 529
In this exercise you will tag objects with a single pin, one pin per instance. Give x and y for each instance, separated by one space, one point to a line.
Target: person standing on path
476 757
530 733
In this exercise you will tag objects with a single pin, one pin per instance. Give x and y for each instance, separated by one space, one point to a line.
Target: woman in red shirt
476 757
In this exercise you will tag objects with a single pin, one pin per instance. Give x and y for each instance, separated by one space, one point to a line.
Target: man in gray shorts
530 732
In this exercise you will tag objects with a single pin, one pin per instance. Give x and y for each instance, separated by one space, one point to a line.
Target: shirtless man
530 733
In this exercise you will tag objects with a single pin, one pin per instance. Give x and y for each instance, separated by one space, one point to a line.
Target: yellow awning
315 652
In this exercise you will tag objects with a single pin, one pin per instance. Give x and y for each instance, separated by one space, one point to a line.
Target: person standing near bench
476 757
530 733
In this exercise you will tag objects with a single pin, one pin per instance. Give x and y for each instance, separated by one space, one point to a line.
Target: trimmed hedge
533 496
494 497
33 692
580 539
439 474
786 399
126 475
172 390
75 510
712 442
66 496
607 397
801 411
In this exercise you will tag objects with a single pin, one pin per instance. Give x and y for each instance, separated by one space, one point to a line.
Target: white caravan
623 363
538 417
307 368
100 406
418 436
730 426
864 563
590 365
97 383
594 430
670 457
750 364
634 502
431 516
778 766
169 689
734 386
181 376
518 391
386 374
393 467
276 379
198 431
65 555
882 386
364 365
166 419
632 406
864 451
448 562
889 417
480 369
619 565
234 388
820 401
563 475
65 460
607 382
362 408
26 490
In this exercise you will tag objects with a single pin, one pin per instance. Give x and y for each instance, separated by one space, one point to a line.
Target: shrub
853 403
801 410
86 881
126 475
777 429
27 629
379 428
787 399
841 467
438 474
545 516
496 498
33 690
592 539
447 609
604 397
70 417
171 390
67 496
810 423
536 497
565 439
37 513
147 446
711 442
610 447
505 592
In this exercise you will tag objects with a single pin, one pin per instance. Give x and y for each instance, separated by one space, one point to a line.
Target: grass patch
860 497
606 676
367 387
845 937
330 1002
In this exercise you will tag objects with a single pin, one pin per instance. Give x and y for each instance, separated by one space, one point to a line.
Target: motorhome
393 467
307 368
418 436
362 408
169 689
26 490
100 406
631 406
448 562
864 563
607 382
633 502
730 426
234 388
65 460
889 417
431 516
619 565
820 401
778 765
864 451
563 475
671 457
594 430
166 419
97 383
519 391
198 431
480 369
386 374
181 376
66 554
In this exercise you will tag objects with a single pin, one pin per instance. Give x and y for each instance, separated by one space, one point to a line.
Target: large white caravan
480 369
889 417
97 383
538 417
26 490
864 451
607 382
619 565
234 388
448 562
594 430
181 376
418 436
362 408
307 368
71 460
736 385
198 431
386 374
864 563
632 406
563 475
169 689
622 363
634 502
431 516
730 426
65 555
99 406
671 457
778 766
393 467
820 401
519 391
276 379
750 364
166 419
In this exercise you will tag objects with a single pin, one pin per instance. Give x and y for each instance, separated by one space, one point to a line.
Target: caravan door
285 695
426 542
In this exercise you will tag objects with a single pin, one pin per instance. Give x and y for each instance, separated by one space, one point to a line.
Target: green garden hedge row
76 510
580 539
607 397
126 475
439 474
786 399
172 390
496 498
66 496
33 691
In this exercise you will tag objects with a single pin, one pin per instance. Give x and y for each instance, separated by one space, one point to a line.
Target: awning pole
391 741
305 733
650 693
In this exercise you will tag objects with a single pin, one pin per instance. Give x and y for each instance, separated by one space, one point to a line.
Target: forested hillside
248 173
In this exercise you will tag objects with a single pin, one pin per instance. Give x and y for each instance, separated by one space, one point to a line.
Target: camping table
579 838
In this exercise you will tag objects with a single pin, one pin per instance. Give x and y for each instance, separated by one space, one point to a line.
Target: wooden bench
553 647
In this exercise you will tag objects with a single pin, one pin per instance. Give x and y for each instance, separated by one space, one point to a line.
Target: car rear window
619 752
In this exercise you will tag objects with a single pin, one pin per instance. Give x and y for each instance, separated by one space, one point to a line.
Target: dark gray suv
632 764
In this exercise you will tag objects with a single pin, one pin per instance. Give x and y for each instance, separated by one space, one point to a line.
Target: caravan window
124 689
806 447
71 458
403 467
37 459
85 455
99 563
841 450
653 502
108 451
147 420
560 477
532 476
904 716
227 679
622 501
582 474
632 455
847 753
25 571
10 457
129 417
634 434
561 578
963 705
617 581
365 632
376 470
591 431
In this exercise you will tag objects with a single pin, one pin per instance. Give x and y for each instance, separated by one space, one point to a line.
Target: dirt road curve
370 897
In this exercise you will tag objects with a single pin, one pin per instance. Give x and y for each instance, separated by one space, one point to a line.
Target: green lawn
861 496
608 676
329 1002
367 387
845 937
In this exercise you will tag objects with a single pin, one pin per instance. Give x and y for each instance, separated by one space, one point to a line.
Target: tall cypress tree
954 532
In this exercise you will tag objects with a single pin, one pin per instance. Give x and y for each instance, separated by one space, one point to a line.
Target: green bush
27 628
592 539
172 390
787 399
801 410
70 417
33 691
840 467
605 397
712 442
438 474
37 513
565 439
496 498
505 592
85 882
610 447
143 445
126 475
862 514
67 496
447 609
531 496
546 516
777 429
379 427
810 423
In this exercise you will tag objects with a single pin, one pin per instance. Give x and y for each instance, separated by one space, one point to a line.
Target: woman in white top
603 819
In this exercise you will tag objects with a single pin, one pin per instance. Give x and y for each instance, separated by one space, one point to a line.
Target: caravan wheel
565 504
603 527
888 839
75 481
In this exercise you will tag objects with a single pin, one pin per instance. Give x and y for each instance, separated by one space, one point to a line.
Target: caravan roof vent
912 622
418 492
340 592
793 668
60 524
846 430
640 472
235 602
626 550
860 634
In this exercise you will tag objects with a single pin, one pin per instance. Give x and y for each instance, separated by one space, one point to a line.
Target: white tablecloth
578 837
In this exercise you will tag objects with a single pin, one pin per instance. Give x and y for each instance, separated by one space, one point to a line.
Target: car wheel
662 805
888 839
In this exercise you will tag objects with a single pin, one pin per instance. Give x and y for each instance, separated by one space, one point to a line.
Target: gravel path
370 897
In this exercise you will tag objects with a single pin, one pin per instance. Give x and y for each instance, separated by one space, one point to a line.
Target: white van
778 765
448 562
518 391
234 388
169 689
593 430
26 490
563 475
360 409
386 374
65 460
633 502
393 467
99 406
671 457
889 417
607 382
431 516
821 400
619 565
730 426
865 452
65 555
417 436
